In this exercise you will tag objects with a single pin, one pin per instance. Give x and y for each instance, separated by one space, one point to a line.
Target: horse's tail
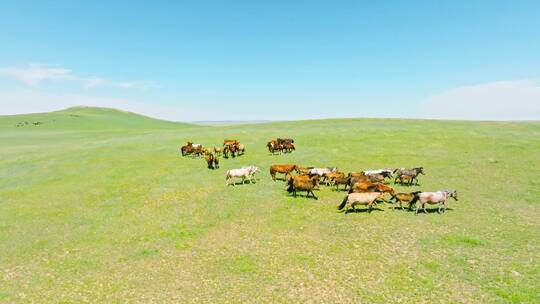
344 202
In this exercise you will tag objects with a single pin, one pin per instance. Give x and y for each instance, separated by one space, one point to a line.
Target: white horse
244 173
438 197
378 171
321 171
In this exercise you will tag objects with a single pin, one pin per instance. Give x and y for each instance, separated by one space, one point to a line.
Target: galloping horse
365 198
414 172
432 198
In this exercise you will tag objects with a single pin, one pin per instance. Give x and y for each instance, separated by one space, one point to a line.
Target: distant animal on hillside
245 173
218 151
414 172
365 198
400 198
439 197
302 183
285 169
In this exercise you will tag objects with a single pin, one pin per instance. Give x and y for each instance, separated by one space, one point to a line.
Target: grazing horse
365 198
272 146
432 198
285 140
414 172
283 169
302 183
186 150
244 173
218 151
212 160
230 142
287 147
241 148
400 198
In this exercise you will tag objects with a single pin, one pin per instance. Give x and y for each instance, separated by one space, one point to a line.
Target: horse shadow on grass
428 210
363 210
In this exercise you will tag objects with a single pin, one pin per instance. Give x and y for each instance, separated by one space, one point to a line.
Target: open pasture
98 205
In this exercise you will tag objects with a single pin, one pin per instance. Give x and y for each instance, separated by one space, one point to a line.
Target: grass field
97 206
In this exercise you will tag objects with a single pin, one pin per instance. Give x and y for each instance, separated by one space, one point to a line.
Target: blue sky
220 60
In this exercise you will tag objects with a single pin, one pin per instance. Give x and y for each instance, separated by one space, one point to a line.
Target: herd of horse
368 187
231 147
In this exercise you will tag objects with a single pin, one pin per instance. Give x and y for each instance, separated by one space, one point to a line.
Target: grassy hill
85 119
100 207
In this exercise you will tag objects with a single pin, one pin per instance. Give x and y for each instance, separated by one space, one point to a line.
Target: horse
218 151
341 180
367 186
211 160
285 140
244 173
328 178
302 183
406 179
432 198
186 150
365 198
241 148
322 171
376 178
284 169
400 198
385 172
414 172
287 147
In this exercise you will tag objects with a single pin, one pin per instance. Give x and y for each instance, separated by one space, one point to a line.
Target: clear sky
251 60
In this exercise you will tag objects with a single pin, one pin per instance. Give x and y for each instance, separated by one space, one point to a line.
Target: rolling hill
96 205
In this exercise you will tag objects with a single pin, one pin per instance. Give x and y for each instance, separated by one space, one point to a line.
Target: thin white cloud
501 100
34 74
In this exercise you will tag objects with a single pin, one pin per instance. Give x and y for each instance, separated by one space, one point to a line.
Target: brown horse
284 169
344 180
302 183
367 186
400 198
212 161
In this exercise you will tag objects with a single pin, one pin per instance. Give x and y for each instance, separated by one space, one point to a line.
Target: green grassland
97 206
